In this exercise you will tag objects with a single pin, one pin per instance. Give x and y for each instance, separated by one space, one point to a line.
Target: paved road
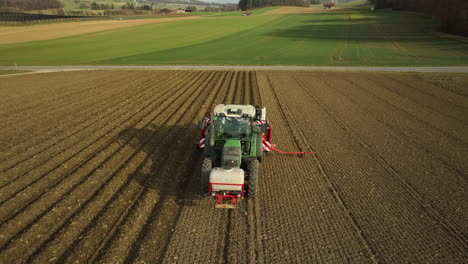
239 68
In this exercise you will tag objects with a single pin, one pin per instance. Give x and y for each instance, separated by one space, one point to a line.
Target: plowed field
101 166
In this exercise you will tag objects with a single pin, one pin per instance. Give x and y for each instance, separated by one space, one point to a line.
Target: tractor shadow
167 160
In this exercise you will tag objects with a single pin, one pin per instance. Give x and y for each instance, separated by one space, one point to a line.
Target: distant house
180 10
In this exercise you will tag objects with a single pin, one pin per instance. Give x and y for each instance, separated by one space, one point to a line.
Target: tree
191 8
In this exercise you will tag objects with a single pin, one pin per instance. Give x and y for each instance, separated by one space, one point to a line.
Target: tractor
233 139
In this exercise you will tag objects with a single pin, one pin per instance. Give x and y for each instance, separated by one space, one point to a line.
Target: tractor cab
232 140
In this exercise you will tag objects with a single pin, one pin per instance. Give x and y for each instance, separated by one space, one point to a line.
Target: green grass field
359 38
4 72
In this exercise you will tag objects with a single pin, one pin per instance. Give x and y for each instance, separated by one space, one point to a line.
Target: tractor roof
233 110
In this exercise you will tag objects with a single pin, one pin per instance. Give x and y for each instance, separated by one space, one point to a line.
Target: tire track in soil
70 119
345 239
243 246
69 198
55 197
127 248
237 247
396 219
97 238
42 145
437 203
29 184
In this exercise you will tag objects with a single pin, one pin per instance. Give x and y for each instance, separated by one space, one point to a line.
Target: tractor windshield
232 127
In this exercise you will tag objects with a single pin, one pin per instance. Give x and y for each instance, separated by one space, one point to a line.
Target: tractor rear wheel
252 180
259 148
207 165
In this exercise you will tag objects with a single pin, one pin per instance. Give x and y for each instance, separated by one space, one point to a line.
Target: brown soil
100 166
10 35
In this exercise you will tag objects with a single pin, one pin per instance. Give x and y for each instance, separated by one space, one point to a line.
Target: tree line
30 4
452 14
252 4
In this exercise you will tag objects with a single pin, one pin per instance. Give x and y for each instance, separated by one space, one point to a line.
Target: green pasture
359 38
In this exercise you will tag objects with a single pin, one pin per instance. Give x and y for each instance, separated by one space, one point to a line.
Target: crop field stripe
49 133
222 84
29 184
429 208
106 159
112 200
448 108
25 91
301 140
380 91
91 157
216 247
59 102
410 203
51 143
422 114
446 158
285 195
149 238
410 128
418 182
254 242
164 156
157 208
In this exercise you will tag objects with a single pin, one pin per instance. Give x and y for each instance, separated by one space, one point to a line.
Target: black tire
252 179
259 147
207 165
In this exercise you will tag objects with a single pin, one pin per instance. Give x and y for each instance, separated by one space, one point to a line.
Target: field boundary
41 69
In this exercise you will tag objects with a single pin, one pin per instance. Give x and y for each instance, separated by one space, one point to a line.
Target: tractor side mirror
264 128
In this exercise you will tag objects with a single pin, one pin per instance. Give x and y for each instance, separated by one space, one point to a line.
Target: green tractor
233 139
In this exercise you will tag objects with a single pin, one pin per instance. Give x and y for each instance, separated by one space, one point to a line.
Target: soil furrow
445 149
43 110
301 140
152 235
135 220
67 127
70 139
427 115
448 108
433 203
21 91
128 193
12 246
93 144
357 176
204 240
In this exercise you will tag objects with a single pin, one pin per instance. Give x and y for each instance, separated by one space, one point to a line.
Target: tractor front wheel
207 165
252 180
